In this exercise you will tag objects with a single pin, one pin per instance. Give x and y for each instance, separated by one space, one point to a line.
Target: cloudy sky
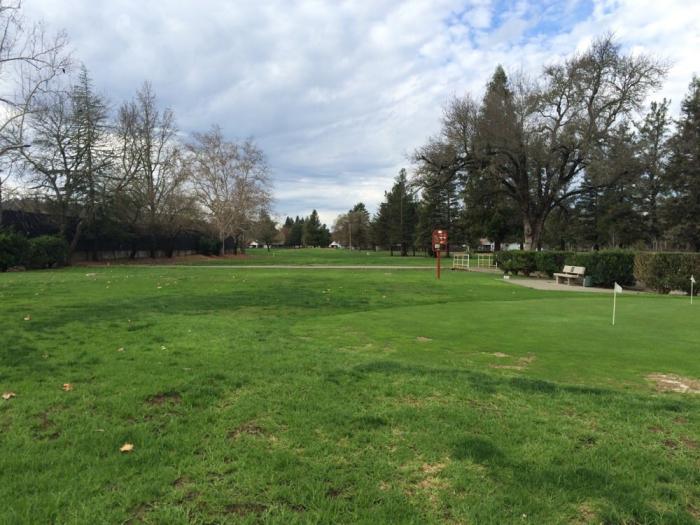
339 92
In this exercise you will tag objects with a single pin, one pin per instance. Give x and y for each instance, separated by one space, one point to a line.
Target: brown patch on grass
334 493
680 420
522 363
675 383
422 339
165 397
182 481
508 367
690 443
670 444
138 513
45 428
656 429
500 354
250 428
245 509
585 515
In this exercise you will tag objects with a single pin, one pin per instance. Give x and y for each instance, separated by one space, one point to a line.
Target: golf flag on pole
692 282
616 290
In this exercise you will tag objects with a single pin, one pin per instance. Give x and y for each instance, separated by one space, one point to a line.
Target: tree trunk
532 231
222 248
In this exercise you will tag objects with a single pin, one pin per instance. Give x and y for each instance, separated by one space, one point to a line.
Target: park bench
569 273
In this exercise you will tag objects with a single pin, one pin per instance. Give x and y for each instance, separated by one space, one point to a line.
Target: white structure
335 244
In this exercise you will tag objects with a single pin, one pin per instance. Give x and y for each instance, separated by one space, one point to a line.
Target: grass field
322 256
340 396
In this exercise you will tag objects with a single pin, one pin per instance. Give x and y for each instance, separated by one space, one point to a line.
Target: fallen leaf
126 447
120 349
67 387
8 395
27 317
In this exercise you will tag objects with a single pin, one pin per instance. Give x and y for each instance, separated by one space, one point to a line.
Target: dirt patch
250 429
675 383
500 354
244 509
165 397
690 443
522 363
584 514
45 428
656 430
670 444
334 493
432 469
422 339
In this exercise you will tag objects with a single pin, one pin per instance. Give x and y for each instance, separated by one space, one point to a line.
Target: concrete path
547 284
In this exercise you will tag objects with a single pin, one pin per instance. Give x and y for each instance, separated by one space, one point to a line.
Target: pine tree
683 210
397 217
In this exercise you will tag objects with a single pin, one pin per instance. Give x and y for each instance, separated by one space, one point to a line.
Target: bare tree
29 59
231 182
70 155
151 156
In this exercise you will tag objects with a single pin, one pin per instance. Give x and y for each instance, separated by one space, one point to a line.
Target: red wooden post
439 239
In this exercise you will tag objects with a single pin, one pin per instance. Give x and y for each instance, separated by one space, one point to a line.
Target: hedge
605 267
208 246
46 251
13 249
664 272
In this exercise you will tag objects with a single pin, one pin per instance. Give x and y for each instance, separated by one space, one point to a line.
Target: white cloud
337 93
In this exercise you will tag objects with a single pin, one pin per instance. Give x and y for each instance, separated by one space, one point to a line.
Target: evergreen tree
287 230
312 230
397 217
439 209
683 210
653 156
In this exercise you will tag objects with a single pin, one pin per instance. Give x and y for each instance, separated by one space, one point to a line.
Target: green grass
322 256
340 396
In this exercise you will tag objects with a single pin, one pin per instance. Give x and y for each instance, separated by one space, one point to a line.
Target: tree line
124 174
571 159
566 160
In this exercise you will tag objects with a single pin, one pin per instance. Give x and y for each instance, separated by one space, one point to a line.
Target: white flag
618 288
692 279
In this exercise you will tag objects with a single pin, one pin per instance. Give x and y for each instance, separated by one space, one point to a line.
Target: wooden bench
571 272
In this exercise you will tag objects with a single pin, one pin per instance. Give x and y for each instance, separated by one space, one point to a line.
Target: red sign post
439 243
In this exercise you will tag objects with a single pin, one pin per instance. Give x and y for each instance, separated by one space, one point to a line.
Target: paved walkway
547 284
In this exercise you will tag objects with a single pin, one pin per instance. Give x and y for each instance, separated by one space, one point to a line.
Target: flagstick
692 281
614 304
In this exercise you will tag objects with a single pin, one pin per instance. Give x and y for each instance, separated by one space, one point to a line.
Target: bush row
604 267
664 272
47 251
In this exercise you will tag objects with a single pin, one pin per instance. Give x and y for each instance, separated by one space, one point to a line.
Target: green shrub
664 272
551 262
13 249
47 251
209 246
606 267
516 261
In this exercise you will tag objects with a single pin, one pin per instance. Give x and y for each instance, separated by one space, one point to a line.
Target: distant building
335 244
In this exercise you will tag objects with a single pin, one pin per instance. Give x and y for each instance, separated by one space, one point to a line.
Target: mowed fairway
340 396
